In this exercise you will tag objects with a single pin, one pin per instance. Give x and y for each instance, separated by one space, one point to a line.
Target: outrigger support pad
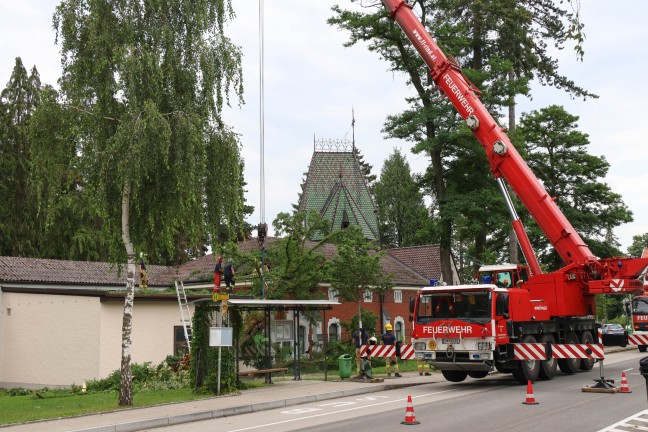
601 385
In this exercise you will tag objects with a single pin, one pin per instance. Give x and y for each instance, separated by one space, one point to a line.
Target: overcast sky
312 83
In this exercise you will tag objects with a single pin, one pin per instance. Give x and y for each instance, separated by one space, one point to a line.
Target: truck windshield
640 306
469 306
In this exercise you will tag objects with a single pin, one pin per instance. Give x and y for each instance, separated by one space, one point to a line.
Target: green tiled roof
336 187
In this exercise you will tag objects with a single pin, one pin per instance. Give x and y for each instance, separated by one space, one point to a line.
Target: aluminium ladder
185 314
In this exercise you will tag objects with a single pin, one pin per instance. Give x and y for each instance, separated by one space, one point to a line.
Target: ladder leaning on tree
185 314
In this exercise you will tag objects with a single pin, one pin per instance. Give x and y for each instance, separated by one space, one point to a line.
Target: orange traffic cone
530 399
410 418
624 384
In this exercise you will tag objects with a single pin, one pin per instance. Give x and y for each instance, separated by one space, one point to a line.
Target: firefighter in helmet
218 272
388 338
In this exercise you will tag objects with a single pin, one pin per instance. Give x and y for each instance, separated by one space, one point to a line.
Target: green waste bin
345 365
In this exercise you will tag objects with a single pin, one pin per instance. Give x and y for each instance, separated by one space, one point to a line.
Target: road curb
241 409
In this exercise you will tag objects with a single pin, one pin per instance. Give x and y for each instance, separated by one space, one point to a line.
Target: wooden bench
262 371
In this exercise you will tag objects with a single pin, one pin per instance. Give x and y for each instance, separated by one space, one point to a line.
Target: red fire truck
639 312
526 327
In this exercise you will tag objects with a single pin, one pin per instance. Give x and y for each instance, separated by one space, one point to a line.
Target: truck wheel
478 374
548 367
454 376
527 370
642 348
569 365
588 363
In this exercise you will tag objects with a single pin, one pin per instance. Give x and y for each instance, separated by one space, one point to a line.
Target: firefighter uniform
388 338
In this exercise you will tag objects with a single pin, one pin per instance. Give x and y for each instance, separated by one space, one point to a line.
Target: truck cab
457 328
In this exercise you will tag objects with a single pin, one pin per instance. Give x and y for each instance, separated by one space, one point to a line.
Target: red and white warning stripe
529 351
378 351
589 351
536 351
407 351
638 339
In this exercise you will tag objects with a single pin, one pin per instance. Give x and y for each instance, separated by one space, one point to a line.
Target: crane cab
503 275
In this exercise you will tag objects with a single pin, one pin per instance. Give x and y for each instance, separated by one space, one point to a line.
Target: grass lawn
51 404
56 404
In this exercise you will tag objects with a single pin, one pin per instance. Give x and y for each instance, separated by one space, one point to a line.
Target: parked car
614 335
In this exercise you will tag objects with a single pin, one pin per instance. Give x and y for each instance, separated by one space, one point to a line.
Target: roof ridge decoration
333 145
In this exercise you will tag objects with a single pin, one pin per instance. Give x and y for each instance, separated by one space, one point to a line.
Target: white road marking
338 411
638 422
337 404
371 398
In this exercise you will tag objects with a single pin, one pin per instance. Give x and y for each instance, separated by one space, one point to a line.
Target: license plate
448 341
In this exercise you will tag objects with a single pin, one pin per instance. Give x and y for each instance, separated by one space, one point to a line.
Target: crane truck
470 330
639 312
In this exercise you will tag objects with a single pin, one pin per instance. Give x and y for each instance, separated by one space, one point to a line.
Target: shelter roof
282 304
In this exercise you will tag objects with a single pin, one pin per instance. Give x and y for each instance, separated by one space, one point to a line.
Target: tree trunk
445 240
126 383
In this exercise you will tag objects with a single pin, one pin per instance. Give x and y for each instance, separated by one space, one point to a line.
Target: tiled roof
50 271
82 273
336 187
425 260
202 268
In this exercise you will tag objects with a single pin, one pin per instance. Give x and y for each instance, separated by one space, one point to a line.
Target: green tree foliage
203 372
19 99
401 210
639 243
356 267
150 80
70 227
483 36
297 265
557 153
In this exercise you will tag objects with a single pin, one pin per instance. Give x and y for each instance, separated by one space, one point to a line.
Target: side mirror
411 318
412 299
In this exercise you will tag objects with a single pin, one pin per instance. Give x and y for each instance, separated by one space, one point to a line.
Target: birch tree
150 80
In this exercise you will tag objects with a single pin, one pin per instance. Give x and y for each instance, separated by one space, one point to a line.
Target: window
179 341
368 296
398 296
284 331
333 332
398 330
640 306
474 305
302 338
332 294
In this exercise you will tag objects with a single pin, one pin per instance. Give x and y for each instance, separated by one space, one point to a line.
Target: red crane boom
613 275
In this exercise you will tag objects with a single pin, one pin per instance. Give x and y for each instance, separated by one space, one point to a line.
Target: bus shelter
298 307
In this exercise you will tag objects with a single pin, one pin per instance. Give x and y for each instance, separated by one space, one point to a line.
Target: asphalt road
491 404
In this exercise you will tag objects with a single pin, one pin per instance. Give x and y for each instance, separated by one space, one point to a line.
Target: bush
18 391
145 378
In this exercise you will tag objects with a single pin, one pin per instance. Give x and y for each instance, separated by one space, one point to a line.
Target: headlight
484 346
419 346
